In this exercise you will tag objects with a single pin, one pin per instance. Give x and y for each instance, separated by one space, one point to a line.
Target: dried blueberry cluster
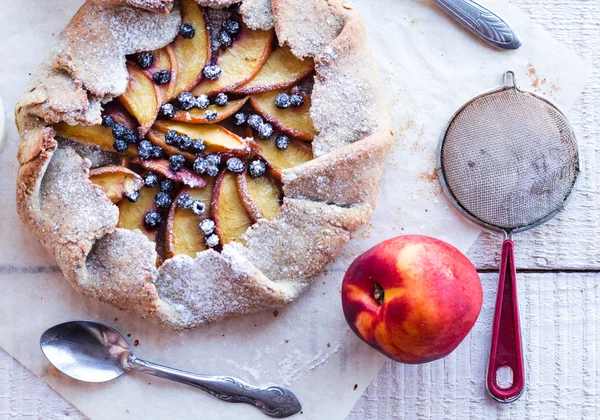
264 129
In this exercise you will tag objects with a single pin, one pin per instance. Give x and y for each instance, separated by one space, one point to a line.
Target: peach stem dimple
378 294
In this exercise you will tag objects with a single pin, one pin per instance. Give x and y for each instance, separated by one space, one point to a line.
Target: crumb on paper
136 343
275 313
355 387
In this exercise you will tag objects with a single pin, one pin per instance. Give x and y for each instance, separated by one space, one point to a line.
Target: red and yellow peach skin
413 298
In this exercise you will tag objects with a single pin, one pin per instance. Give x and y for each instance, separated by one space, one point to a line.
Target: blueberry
207 226
210 115
214 159
283 101
187 30
202 101
255 121
212 170
133 196
185 142
257 168
225 40
172 138
168 111
200 166
186 100
198 207
296 99
162 200
145 149
185 201
150 179
152 219
176 162
282 141
108 121
231 27
265 131
130 137
120 145
157 152
239 118
162 77
144 60
221 99
235 165
212 240
198 147
211 71
167 185
119 131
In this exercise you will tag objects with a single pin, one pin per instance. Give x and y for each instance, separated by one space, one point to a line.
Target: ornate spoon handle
482 22
274 401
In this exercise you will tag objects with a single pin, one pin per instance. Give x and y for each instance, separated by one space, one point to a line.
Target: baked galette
193 160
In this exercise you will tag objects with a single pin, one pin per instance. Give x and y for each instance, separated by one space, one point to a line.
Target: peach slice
94 135
161 166
196 116
281 70
240 62
293 121
164 59
140 98
216 138
261 196
116 181
131 215
183 234
158 138
297 153
191 54
227 209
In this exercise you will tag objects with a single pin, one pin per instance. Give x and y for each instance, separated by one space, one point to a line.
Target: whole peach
413 298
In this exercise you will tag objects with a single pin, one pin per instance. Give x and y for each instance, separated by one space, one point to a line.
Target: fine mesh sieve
508 160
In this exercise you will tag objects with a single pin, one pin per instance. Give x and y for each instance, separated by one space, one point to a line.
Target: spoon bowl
94 352
86 351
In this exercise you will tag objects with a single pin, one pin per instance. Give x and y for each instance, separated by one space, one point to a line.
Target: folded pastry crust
326 199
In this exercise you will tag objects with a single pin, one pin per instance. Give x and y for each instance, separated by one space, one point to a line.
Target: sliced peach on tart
183 234
284 153
237 64
133 215
199 116
141 98
227 209
294 121
118 182
162 60
94 135
281 70
216 138
162 167
260 195
192 47
158 139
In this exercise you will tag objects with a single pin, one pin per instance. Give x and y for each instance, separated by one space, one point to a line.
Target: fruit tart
195 160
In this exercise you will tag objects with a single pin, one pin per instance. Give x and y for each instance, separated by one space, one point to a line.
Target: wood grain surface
559 293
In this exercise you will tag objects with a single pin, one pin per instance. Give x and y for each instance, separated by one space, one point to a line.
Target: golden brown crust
327 199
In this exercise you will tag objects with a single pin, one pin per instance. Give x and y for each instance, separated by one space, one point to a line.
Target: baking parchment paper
429 67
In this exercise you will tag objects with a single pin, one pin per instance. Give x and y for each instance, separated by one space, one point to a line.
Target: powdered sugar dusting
94 45
257 14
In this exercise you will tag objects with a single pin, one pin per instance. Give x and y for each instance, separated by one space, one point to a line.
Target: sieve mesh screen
510 159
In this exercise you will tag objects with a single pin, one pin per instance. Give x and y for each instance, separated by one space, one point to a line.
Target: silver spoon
93 352
482 22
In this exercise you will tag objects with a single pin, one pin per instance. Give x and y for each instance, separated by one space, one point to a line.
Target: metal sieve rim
509 83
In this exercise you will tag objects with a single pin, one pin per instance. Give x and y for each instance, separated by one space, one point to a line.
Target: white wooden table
559 281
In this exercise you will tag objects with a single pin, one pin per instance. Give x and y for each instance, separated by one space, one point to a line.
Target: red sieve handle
506 350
